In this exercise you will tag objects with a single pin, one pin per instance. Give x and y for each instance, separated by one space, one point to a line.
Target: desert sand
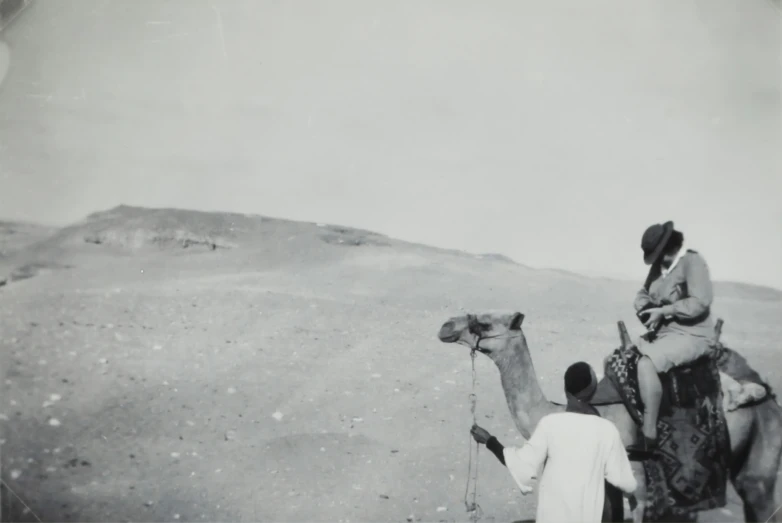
164 365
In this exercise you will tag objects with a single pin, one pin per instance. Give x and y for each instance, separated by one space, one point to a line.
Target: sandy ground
294 377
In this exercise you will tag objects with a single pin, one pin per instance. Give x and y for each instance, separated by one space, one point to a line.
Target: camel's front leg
640 492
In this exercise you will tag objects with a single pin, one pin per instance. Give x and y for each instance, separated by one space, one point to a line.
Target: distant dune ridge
131 229
16 236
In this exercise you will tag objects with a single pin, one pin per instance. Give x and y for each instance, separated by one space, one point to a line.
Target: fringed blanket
689 471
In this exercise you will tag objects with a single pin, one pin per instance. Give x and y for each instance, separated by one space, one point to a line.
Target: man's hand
632 501
653 318
480 435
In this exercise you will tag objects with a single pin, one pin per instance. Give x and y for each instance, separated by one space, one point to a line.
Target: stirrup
642 451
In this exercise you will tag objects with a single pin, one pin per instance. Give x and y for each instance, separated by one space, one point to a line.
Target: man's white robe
577 452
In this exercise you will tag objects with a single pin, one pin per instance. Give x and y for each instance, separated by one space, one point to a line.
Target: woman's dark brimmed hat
654 240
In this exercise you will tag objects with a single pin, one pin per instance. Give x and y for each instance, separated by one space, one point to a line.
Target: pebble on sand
231 390
441 509
277 415
54 422
16 473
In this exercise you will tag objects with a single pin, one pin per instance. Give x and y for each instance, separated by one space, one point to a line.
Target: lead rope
472 508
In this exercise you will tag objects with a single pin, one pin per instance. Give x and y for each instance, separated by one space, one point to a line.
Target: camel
756 445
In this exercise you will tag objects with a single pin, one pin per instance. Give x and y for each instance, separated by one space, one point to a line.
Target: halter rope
472 508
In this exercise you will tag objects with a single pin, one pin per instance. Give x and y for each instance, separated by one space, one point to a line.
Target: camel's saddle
741 385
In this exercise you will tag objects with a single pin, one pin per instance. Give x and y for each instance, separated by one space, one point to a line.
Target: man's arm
524 462
618 471
494 445
700 293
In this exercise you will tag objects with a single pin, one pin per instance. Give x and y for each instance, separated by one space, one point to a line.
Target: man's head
580 380
661 243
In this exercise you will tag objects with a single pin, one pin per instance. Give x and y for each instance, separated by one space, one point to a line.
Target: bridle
474 327
477 347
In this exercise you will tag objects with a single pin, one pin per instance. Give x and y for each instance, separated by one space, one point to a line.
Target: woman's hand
479 434
653 318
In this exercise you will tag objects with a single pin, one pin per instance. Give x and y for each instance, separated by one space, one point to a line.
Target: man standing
584 461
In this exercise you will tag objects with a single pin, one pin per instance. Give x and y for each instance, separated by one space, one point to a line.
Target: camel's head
489 333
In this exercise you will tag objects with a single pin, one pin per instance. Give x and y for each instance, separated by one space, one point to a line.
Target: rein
473 508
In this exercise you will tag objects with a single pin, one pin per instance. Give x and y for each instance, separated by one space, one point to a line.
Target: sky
553 132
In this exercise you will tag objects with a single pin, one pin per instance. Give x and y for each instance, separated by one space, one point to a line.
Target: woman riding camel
674 305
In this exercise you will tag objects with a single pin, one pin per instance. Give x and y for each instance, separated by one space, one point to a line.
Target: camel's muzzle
448 333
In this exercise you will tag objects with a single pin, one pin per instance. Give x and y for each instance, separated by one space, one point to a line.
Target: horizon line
586 274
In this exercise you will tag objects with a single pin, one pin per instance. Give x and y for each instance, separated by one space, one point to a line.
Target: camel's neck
526 400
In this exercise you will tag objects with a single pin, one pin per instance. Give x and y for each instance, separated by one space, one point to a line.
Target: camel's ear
515 321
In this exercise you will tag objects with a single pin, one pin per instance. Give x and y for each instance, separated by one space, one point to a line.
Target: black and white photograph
405 261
